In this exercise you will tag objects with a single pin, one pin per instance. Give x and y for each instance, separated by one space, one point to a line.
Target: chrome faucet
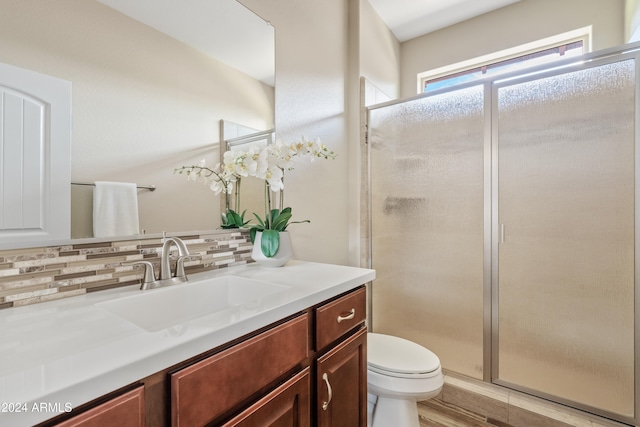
165 263
166 278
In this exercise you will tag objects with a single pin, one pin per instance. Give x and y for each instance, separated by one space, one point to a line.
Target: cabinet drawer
205 390
336 318
126 410
288 405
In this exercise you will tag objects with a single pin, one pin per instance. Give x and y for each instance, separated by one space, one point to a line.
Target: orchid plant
268 163
218 182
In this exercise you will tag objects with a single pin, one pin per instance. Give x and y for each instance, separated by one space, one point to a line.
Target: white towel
115 209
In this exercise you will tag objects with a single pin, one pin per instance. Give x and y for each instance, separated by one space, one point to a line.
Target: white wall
143 103
514 25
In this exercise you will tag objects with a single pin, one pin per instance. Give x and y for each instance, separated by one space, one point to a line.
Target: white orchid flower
216 187
251 161
262 162
301 148
274 177
192 175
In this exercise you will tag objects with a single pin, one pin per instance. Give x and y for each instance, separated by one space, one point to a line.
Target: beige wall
311 95
379 52
514 25
311 85
377 69
143 103
322 49
632 20
316 87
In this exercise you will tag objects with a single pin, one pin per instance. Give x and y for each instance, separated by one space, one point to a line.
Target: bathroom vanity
295 355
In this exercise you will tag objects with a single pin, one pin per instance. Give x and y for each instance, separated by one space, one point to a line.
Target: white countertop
64 353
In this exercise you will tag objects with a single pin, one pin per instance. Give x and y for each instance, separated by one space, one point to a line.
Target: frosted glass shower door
564 235
426 160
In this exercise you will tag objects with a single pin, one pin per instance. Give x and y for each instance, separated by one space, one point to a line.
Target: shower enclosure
502 218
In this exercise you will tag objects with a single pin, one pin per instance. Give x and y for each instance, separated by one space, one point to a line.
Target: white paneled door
35 157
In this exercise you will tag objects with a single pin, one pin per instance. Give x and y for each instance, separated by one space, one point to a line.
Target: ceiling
226 30
223 29
409 19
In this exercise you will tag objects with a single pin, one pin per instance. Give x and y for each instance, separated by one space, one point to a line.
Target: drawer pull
325 405
349 316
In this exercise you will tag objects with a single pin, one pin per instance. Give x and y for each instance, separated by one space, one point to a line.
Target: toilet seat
400 358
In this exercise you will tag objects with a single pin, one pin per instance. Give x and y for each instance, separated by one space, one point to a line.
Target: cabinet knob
325 405
349 316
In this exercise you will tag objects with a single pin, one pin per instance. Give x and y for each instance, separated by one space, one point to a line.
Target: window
544 51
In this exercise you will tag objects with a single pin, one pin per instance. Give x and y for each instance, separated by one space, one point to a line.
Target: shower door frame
598 60
490 222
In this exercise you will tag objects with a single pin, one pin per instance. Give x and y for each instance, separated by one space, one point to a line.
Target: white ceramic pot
284 254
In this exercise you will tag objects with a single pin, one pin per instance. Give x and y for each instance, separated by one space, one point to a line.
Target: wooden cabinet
212 388
126 410
329 339
341 369
286 406
304 371
334 347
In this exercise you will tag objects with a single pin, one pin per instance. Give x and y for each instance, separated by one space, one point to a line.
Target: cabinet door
342 384
126 410
286 406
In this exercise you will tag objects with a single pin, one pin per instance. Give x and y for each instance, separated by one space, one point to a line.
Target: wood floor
436 413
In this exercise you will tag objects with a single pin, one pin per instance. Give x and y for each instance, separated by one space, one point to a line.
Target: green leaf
286 210
232 219
275 220
262 224
280 223
273 215
252 233
295 222
270 243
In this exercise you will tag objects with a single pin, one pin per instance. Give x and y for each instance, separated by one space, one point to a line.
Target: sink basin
162 308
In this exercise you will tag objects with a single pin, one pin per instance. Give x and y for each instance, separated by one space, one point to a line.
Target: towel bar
143 187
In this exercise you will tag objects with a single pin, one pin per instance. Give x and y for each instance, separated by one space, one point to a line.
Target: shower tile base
465 402
437 413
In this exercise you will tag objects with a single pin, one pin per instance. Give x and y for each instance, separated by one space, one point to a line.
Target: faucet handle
149 278
180 264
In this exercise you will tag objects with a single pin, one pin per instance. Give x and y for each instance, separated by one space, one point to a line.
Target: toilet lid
394 355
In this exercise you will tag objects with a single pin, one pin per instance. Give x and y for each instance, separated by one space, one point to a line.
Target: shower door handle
501 233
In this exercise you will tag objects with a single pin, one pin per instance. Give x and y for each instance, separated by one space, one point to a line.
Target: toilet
400 373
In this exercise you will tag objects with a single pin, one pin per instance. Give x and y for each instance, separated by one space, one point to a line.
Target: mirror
147 95
249 193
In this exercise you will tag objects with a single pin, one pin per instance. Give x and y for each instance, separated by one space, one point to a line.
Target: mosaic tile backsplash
34 275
